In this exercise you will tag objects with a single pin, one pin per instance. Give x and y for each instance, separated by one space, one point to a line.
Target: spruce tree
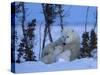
85 50
85 45
25 49
93 40
29 54
26 46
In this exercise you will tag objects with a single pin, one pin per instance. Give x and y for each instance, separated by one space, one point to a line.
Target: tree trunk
45 30
49 33
47 26
86 19
95 20
40 42
60 15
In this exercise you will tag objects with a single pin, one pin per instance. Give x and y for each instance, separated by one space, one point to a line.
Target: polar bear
69 40
52 54
64 56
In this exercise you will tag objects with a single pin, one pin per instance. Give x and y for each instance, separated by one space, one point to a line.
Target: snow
84 63
61 64
94 54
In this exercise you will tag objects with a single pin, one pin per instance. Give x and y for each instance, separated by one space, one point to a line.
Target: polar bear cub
64 56
52 56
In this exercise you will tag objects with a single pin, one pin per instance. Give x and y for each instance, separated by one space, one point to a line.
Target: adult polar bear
69 41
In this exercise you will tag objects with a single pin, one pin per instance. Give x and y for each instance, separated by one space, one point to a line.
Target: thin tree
45 30
60 12
96 14
21 50
49 16
40 41
85 50
26 45
86 18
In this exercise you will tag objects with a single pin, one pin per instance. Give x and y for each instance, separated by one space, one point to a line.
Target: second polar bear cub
68 42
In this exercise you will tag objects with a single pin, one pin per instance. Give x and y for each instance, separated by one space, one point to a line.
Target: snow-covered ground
78 64
84 63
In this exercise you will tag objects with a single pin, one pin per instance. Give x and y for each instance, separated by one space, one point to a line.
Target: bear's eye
67 36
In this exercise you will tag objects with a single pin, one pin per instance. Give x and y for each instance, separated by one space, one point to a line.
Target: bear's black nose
64 43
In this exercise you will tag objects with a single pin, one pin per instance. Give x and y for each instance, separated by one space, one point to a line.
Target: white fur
64 56
56 49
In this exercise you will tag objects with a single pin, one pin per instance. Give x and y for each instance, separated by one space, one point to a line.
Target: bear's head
69 35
